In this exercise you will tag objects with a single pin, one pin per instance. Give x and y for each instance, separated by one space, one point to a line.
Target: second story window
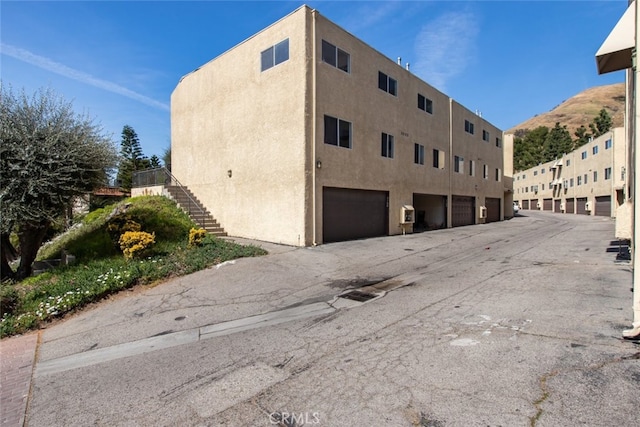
274 55
337 132
387 84
335 56
387 145
418 154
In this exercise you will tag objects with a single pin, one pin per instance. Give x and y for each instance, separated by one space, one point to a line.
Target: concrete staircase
194 208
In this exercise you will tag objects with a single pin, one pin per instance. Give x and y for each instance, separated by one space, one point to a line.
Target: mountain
581 109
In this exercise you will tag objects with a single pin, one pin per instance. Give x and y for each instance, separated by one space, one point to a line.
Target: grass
102 270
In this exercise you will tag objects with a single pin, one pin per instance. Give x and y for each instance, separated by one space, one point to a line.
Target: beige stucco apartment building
303 134
589 180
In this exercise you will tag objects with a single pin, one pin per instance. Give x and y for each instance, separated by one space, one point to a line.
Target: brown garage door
581 206
349 214
569 204
603 206
547 204
463 211
556 205
525 204
493 209
533 204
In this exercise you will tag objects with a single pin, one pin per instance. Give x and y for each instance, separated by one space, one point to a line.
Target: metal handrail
163 176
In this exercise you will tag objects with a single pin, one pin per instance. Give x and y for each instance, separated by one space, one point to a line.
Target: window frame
384 84
427 104
334 61
418 154
469 127
387 145
338 132
271 53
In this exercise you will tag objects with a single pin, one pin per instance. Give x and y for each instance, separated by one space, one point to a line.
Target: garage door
353 214
463 211
533 204
525 204
493 209
581 206
569 205
556 205
603 206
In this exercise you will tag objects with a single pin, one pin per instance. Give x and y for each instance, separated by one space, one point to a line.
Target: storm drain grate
358 296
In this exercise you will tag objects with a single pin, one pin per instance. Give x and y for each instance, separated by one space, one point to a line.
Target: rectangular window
485 135
607 144
585 179
568 162
571 182
485 172
418 154
542 171
387 84
468 127
542 187
594 150
579 180
535 173
337 132
498 142
498 175
472 168
335 56
584 155
274 55
425 104
607 173
458 164
595 176
387 145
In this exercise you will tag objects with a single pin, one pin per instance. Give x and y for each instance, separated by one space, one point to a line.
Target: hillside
581 109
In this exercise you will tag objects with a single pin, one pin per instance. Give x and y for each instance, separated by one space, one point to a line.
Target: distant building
303 134
589 180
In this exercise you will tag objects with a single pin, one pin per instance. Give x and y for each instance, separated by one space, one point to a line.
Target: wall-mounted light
229 173
319 164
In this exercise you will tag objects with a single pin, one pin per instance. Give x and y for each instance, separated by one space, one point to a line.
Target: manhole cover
358 296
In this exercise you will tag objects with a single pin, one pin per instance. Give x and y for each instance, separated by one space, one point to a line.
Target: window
585 179
579 180
336 57
425 104
458 164
498 175
387 84
607 173
485 135
568 162
274 55
595 176
498 142
472 168
594 150
535 173
468 127
584 155
542 187
387 145
418 154
542 171
571 182
438 159
607 144
485 172
337 132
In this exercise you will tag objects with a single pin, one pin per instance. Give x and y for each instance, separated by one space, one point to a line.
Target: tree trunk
31 237
7 254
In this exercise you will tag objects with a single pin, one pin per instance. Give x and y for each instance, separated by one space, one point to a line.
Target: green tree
49 156
131 157
557 142
582 137
154 162
601 124
166 158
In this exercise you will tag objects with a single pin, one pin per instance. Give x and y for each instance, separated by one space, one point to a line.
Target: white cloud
63 70
444 47
370 14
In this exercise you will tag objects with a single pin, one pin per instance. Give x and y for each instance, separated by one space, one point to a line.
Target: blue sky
119 61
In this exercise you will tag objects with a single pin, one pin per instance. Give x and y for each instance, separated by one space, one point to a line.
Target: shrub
196 236
136 243
9 298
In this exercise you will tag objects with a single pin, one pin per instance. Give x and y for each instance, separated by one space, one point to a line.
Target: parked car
516 208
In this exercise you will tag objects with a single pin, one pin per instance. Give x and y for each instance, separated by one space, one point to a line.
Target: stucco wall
239 136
